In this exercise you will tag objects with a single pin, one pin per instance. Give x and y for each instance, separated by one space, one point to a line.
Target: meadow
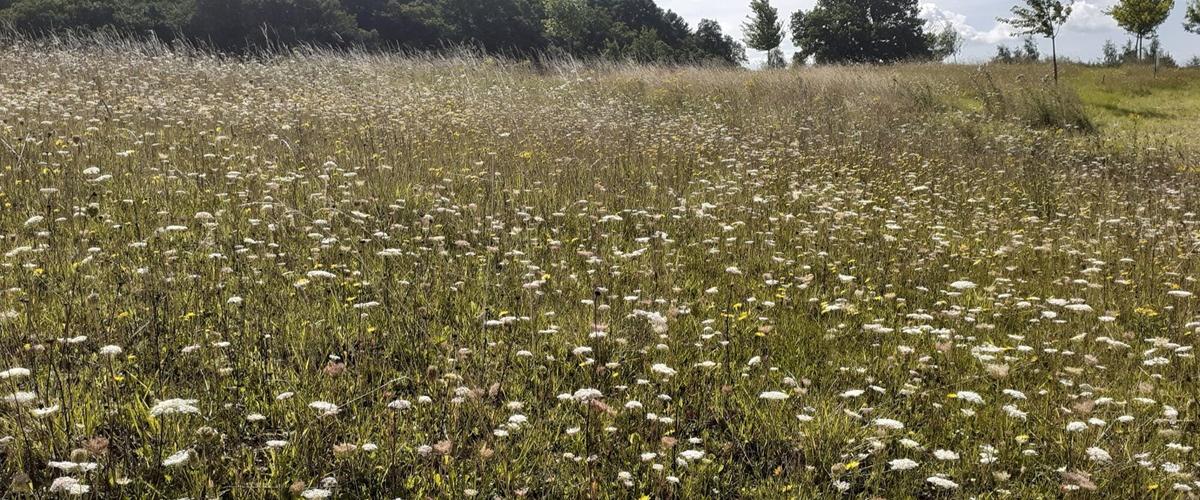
345 275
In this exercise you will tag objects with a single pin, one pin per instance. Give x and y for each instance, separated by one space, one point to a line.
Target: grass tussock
320 274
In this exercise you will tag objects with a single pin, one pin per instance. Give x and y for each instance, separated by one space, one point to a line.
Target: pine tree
763 31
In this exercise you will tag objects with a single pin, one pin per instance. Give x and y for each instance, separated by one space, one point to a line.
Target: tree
1044 18
647 47
407 24
944 43
1191 19
1031 50
1112 56
619 29
497 26
238 24
38 16
763 31
861 31
576 27
1141 18
713 44
1027 53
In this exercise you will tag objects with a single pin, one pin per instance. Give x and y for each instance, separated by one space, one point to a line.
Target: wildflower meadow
321 274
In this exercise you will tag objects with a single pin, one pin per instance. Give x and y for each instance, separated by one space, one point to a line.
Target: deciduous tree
1141 18
861 31
1042 18
1191 19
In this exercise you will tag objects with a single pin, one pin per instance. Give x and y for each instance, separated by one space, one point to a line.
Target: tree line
618 29
832 32
881 31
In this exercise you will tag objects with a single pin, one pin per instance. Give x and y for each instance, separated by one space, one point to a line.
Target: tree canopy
861 31
1191 20
633 29
1141 18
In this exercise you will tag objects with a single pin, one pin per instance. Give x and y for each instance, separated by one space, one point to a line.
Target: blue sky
1082 38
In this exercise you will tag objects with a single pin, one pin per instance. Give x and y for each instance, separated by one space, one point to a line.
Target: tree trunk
1054 58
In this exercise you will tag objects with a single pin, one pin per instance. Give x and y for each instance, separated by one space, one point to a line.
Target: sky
1082 37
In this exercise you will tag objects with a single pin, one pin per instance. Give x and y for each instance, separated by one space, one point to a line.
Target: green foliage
763 30
1116 56
775 59
944 43
618 29
1141 17
576 27
1028 53
861 31
1110 55
236 24
140 16
636 30
494 25
712 44
404 23
1191 18
1040 17
1044 18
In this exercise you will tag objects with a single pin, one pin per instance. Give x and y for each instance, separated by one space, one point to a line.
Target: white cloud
1088 17
938 17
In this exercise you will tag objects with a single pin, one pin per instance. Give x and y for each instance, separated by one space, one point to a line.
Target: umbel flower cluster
355 276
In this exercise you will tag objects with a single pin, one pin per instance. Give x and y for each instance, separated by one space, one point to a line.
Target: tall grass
367 275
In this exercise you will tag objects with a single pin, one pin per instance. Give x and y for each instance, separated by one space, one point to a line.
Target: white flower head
70 486
173 406
178 458
587 394
316 494
888 423
1097 454
945 455
970 397
663 370
20 398
325 407
962 285
14 373
773 395
941 482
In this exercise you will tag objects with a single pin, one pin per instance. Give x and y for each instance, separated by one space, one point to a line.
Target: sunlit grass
370 276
